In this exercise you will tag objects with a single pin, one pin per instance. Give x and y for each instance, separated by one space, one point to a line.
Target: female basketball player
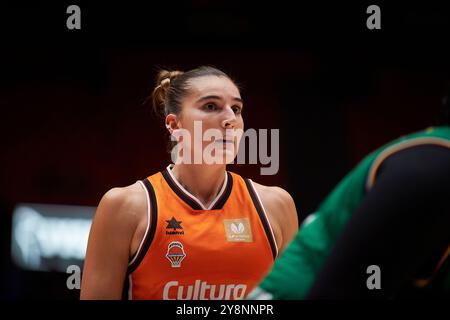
192 231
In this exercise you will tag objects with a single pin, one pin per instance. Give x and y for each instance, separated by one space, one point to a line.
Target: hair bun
159 95
165 82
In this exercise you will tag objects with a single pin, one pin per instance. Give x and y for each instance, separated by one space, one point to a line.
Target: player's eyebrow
218 98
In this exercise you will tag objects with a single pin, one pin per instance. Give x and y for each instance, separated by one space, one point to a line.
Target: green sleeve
294 272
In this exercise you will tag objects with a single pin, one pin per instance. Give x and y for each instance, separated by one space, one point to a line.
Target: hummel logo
174 224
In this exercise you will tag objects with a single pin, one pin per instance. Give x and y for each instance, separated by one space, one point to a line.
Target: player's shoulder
123 201
274 197
278 202
275 194
126 195
280 207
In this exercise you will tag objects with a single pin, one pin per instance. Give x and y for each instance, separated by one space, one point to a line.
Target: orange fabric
218 256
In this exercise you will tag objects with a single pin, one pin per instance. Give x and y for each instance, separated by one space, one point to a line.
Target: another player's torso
318 233
195 253
344 200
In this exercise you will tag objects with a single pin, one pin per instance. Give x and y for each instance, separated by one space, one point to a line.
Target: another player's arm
280 207
108 248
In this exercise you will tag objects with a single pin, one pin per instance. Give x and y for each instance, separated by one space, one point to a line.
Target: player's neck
203 181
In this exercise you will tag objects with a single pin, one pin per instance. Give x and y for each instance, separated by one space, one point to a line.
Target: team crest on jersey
175 253
172 226
238 230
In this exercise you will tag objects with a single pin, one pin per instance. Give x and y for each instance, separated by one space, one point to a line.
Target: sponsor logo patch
238 230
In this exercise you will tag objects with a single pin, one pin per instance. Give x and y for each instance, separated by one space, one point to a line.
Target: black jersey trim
262 217
226 194
191 202
180 193
152 229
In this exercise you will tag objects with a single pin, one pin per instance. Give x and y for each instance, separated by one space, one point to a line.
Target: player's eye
210 106
237 109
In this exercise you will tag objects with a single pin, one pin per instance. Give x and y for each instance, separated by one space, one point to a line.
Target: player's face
216 103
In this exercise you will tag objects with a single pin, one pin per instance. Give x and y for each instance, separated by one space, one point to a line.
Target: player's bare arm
113 238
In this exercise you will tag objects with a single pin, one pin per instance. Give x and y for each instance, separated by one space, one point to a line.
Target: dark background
74 121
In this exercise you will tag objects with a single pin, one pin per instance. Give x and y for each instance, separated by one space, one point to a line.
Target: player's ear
171 122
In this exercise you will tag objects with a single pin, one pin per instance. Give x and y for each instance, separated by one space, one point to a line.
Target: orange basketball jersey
192 252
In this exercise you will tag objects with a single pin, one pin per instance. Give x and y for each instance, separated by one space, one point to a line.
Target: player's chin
229 156
225 156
